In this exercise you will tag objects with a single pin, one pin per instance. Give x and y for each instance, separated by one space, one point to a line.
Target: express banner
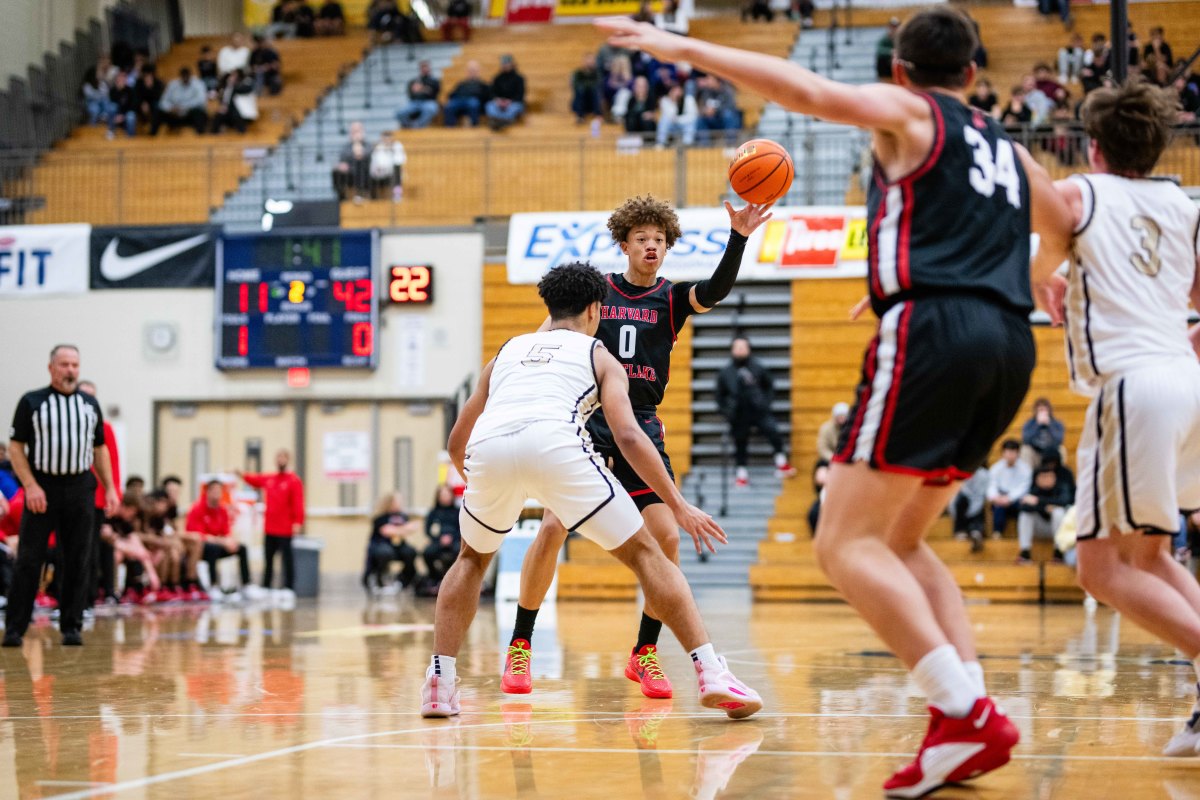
172 257
797 242
43 259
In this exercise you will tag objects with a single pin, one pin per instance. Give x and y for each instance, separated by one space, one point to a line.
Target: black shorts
941 381
622 470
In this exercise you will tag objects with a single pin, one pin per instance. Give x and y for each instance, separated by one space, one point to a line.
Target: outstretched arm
881 107
707 293
1054 210
461 434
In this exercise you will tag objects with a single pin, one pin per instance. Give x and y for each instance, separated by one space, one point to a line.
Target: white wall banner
797 242
346 455
44 259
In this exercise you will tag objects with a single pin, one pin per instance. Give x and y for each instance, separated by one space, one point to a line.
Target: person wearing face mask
744 391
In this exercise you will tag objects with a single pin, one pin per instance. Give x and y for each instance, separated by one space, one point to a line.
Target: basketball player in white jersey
522 435
1131 265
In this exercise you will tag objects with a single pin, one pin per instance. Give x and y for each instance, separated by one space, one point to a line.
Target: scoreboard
297 300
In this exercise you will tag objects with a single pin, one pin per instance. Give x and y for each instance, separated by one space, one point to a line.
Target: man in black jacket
1042 510
467 98
744 390
508 96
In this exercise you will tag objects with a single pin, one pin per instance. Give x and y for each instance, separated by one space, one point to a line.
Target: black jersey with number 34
639 325
957 223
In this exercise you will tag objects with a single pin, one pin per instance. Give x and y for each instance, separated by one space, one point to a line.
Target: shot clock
297 301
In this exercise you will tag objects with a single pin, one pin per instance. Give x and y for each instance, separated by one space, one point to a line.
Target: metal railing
453 183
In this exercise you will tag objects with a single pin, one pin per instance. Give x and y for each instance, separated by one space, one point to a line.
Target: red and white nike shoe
956 750
720 689
439 697
644 668
516 678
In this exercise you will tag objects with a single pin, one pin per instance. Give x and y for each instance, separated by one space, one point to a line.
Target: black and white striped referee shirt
61 430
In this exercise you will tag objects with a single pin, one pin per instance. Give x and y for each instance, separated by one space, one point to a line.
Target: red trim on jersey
889 410
904 235
671 313
641 492
873 241
846 454
939 142
653 289
663 427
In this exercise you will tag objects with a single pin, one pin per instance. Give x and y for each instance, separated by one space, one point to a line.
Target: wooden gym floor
321 702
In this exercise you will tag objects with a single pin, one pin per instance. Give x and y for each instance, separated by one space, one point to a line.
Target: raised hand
701 527
624 32
747 220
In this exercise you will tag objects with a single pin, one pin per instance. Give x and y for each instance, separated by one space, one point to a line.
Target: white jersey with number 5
549 376
1131 274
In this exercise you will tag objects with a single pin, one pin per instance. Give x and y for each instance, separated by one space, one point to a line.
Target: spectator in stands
585 90
981 54
106 71
831 431
718 109
10 528
353 170
645 13
389 529
641 115
983 97
508 96
387 167
458 19
209 520
445 540
331 19
306 19
678 115
1041 512
283 517
1070 60
237 103
1095 63
1060 7
609 53
96 99
185 103
124 106
1135 49
758 9
820 476
387 23
235 55
884 49
745 389
802 10
206 69
1008 482
672 18
1158 49
1041 433
618 87
681 73
422 105
1063 141
1043 77
8 479
468 97
266 67
1017 113
967 508
148 92
141 59
283 20
1040 104
1188 89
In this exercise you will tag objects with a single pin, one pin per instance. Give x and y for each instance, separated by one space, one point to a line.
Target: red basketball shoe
516 678
956 750
643 668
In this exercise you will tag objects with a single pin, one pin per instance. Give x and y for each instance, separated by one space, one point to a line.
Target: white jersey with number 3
1130 277
549 376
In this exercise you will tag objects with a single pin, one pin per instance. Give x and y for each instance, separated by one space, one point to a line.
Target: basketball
761 172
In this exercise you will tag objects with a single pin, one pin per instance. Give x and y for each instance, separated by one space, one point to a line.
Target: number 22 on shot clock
410 285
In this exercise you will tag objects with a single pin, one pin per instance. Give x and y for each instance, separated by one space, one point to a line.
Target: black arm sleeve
718 287
22 425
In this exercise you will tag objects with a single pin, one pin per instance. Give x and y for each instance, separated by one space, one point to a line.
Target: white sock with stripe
975 671
944 680
706 656
443 667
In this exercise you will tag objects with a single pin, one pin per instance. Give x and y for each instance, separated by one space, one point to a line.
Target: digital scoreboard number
297 301
410 285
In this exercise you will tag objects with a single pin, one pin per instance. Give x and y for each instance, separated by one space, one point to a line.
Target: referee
57 434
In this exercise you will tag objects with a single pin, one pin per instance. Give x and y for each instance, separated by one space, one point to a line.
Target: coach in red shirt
10 528
283 494
210 520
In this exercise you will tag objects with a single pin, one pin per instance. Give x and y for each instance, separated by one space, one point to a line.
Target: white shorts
555 465
1139 452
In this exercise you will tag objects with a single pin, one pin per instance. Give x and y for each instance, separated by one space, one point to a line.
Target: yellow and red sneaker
643 668
516 679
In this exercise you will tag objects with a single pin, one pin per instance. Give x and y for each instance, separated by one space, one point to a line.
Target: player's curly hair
638 211
1131 124
568 289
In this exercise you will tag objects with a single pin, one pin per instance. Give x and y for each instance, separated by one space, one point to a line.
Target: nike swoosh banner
160 257
43 259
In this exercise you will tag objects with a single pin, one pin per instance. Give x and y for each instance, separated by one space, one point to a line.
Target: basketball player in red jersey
950 209
640 320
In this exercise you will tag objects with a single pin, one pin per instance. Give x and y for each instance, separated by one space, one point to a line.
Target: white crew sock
975 671
944 680
442 666
706 656
742 474
781 460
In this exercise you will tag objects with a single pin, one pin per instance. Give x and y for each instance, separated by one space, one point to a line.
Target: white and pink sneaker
720 689
439 696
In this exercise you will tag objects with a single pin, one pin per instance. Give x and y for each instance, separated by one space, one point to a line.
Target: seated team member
172 486
209 519
159 538
124 534
10 529
523 428
445 538
389 529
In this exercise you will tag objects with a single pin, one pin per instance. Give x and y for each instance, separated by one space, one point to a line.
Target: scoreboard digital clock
297 301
